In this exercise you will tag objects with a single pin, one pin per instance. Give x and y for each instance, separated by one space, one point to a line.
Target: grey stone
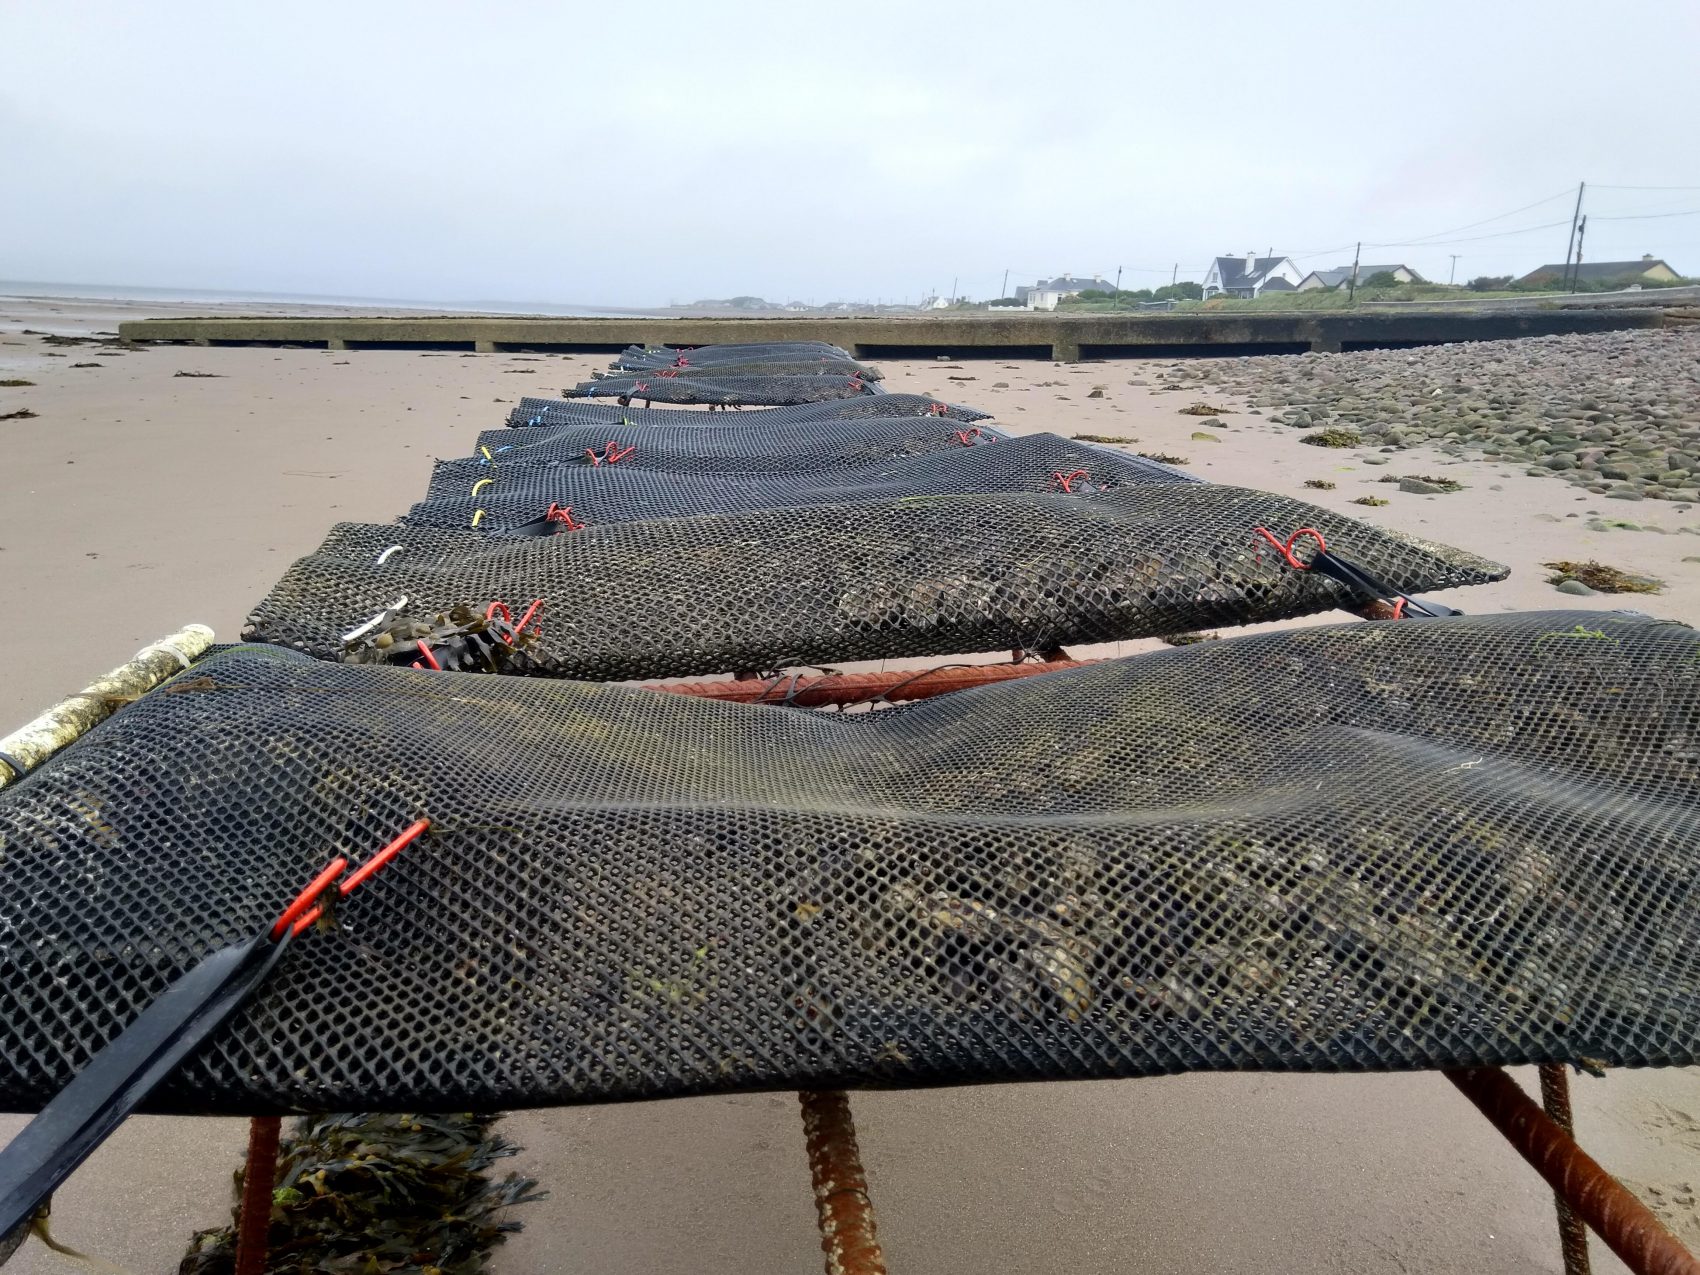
1375 460
1624 493
1576 589
1417 487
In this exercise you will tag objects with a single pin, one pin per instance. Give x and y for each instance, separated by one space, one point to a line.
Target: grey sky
650 152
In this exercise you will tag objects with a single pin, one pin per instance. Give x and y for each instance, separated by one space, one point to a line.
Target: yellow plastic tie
481 484
477 517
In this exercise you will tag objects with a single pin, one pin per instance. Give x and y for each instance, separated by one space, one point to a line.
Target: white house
1340 274
1251 276
1064 286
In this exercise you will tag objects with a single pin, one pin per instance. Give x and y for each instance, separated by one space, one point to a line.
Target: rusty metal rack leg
1626 1225
841 1188
1572 1234
259 1178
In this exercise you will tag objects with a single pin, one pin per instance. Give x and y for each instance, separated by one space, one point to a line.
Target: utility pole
1570 244
953 289
1118 278
1004 291
1174 274
1452 275
1352 283
1581 231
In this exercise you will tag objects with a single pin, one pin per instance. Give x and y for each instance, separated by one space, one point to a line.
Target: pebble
1612 412
1417 487
1576 589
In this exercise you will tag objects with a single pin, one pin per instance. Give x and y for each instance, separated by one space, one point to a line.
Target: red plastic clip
856 381
501 608
306 907
1065 482
968 437
668 373
426 659
1285 547
681 361
562 514
937 409
612 454
638 387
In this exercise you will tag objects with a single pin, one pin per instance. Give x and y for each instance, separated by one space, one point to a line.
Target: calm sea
117 292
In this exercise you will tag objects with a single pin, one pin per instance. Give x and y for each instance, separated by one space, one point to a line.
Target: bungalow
1063 286
1340 274
1250 276
1649 268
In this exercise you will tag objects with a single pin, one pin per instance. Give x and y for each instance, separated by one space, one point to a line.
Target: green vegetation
1380 279
1320 484
14 382
1373 502
1126 299
1445 484
1163 458
1205 409
1601 578
1334 436
1100 438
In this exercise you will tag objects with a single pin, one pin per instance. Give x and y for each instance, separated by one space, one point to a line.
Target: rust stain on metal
1626 1225
1572 1234
847 1235
855 688
259 1178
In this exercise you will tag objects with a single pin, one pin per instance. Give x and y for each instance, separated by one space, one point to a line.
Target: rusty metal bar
259 1179
841 1187
855 688
1572 1234
1626 1225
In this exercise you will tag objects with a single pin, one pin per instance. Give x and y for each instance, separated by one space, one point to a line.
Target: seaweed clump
1374 502
1601 578
1164 458
1188 639
1319 484
1099 438
1334 436
1445 484
402 1194
1204 409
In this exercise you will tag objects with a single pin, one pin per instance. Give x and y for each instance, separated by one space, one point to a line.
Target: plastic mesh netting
619 493
925 575
557 411
521 494
809 447
654 387
646 358
1416 844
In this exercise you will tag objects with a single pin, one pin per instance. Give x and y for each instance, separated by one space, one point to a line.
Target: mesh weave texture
1422 844
772 449
557 411
925 575
619 493
777 390
640 359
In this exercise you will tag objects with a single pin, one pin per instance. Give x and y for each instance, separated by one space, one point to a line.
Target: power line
1600 187
1501 234
1563 194
1692 212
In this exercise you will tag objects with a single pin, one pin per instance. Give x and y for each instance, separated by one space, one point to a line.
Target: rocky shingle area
1617 413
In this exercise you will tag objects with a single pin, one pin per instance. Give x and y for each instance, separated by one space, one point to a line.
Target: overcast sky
644 153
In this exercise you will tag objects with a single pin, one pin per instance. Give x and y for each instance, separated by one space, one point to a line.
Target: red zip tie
308 897
322 882
638 387
1285 548
681 361
668 373
612 453
1066 481
937 409
530 611
429 660
414 831
967 436
562 514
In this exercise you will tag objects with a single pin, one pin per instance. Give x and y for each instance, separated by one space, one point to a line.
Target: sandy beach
155 486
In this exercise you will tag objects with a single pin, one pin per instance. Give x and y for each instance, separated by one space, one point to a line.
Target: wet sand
137 500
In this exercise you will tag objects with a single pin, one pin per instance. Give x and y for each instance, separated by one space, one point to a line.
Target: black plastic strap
1362 582
14 765
117 1079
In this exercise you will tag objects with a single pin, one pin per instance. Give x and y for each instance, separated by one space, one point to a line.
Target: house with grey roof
1649 268
1250 276
1340 274
1063 286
